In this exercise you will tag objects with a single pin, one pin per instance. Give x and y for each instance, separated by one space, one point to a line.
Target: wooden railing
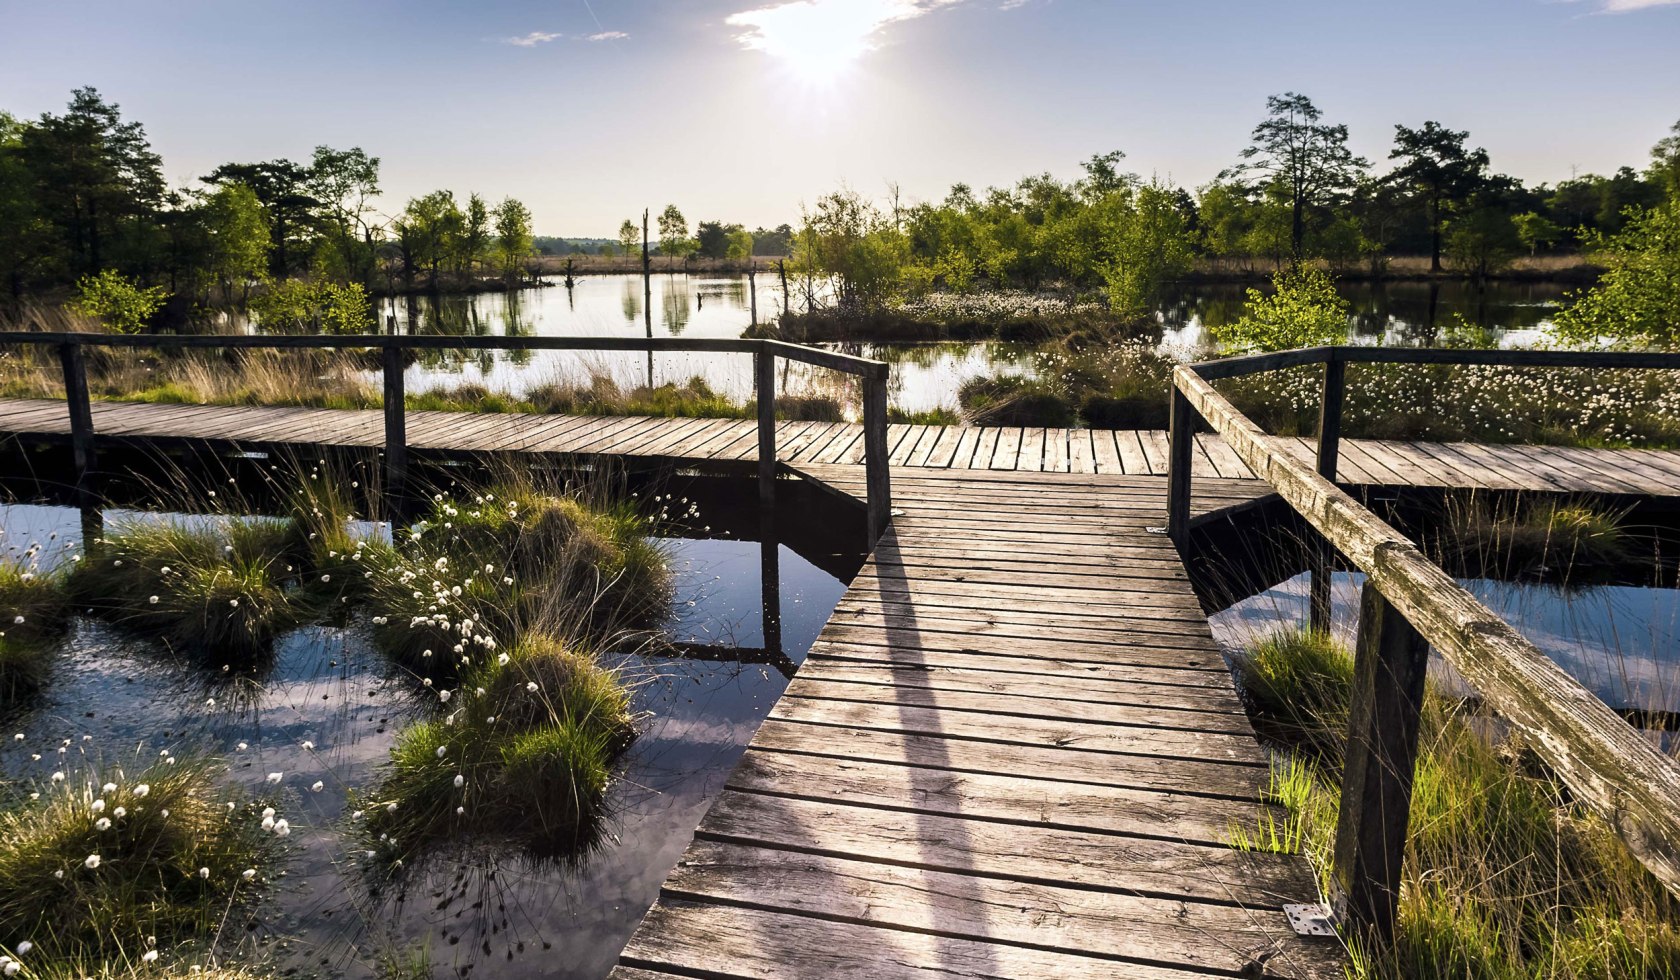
1410 604
71 346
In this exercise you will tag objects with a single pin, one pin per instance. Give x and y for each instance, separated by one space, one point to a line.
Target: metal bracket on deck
1311 919
1155 530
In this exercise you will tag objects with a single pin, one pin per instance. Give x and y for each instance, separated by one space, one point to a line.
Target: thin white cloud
609 36
532 39
1628 6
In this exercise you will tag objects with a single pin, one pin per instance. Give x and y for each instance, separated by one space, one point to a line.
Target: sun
818 41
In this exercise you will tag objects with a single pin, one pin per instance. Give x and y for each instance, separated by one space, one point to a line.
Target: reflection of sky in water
717 306
329 687
1622 643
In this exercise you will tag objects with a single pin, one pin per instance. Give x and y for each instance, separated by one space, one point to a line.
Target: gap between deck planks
995 450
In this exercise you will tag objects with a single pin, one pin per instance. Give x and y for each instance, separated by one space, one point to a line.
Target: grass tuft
79 890
531 743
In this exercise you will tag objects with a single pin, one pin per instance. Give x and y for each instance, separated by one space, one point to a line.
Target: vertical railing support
764 374
82 454
1390 662
1180 451
396 423
770 582
875 452
1330 416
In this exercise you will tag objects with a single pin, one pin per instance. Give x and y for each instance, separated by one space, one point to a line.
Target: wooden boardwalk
803 444
1014 751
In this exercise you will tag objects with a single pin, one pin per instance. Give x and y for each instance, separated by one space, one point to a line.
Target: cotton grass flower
317 786
142 791
275 777
91 862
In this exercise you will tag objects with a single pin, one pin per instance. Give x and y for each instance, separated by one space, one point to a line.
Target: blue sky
742 110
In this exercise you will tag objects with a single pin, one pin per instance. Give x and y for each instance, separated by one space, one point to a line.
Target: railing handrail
849 363
1245 364
874 374
1603 760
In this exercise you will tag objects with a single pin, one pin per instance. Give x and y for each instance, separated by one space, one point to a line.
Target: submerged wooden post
81 413
1330 416
1181 449
764 371
1390 661
396 423
770 583
752 290
879 482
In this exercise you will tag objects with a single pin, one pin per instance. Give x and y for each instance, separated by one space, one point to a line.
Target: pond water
1621 642
329 710
924 376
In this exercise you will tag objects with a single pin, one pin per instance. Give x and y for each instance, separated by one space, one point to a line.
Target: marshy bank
1506 875
461 875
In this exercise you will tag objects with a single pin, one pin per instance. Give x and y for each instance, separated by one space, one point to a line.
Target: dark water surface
117 701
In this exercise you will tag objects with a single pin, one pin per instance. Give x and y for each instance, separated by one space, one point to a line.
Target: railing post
1330 415
764 373
1390 662
1181 450
396 422
81 413
875 452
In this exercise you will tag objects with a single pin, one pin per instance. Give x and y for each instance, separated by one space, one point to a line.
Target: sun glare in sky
817 41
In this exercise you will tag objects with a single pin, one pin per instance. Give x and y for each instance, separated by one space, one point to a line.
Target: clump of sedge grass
526 754
1505 877
216 592
34 614
481 570
95 862
1571 542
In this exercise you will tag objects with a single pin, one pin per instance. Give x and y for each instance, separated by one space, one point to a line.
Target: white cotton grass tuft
91 862
275 777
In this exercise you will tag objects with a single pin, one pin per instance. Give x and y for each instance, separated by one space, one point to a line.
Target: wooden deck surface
1078 451
1014 751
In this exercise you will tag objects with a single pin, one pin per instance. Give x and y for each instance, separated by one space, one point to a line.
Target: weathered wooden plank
1012 851
1152 930
715 940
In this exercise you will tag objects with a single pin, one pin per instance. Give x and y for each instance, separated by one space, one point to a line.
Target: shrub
297 306
1303 310
122 304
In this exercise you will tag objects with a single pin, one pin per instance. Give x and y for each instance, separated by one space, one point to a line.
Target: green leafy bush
297 306
121 303
1303 310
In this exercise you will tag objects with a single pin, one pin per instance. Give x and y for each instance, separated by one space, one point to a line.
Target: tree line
83 198
1295 193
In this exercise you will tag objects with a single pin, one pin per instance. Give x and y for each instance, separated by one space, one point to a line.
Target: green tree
1303 310
1482 238
513 236
1439 172
238 236
475 234
344 182
429 231
1308 160
97 182
1148 246
117 301
740 244
1535 231
848 241
629 237
1637 300
1226 219
28 245
298 306
673 234
282 187
1665 163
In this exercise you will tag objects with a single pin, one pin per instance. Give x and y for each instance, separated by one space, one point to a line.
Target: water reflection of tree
675 302
731 291
632 300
